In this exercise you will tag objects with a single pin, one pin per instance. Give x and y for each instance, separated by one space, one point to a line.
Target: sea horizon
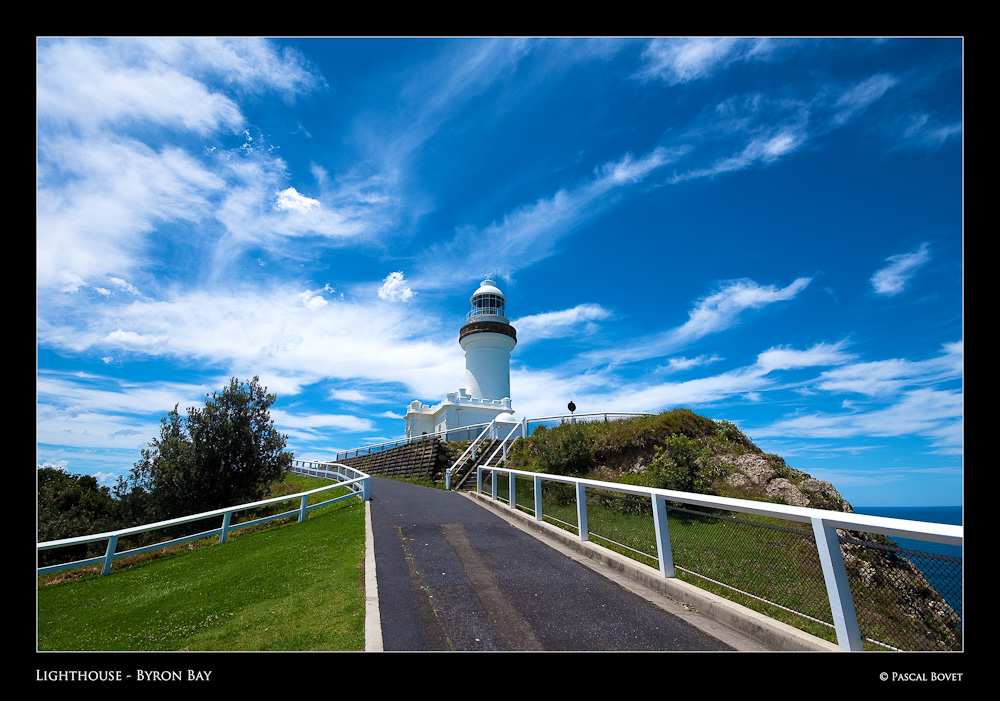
931 514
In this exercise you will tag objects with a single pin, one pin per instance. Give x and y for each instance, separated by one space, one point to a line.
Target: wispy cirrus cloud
886 377
892 279
713 313
531 232
935 414
581 319
898 397
681 60
106 181
283 333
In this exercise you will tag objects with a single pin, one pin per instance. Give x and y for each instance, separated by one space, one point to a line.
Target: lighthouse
487 338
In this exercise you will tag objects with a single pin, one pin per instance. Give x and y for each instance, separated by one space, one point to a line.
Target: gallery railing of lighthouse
786 547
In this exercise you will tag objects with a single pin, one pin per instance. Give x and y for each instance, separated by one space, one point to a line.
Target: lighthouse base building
487 339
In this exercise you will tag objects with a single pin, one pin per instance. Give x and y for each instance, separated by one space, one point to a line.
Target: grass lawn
290 586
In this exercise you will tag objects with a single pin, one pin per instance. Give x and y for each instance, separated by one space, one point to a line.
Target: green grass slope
291 586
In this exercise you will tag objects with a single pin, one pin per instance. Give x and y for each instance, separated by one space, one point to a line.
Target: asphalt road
452 575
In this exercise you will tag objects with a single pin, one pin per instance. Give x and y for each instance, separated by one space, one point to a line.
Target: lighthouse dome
487 287
487 301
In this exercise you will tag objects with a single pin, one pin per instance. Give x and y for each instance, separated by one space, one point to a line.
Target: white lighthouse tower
487 339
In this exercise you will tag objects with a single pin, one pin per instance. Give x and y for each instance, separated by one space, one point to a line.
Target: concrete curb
737 625
373 621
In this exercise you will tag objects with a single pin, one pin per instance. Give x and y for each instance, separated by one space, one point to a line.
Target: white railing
507 440
592 416
470 452
824 525
523 426
387 445
356 481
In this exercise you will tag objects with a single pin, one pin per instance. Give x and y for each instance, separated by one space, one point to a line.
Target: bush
677 465
563 450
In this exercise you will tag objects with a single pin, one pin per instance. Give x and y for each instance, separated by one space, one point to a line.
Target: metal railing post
538 498
838 588
663 552
581 510
511 481
225 527
109 555
302 508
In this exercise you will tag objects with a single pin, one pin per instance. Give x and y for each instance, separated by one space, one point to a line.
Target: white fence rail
824 525
522 429
449 434
358 482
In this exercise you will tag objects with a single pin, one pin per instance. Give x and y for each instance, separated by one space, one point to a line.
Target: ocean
947 578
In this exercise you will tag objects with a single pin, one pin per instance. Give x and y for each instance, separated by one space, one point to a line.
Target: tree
223 454
70 506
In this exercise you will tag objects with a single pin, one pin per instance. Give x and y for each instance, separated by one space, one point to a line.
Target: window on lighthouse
488 304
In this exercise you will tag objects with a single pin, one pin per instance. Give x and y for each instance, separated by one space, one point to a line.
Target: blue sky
767 231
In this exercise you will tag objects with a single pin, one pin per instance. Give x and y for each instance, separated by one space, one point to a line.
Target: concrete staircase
464 476
466 473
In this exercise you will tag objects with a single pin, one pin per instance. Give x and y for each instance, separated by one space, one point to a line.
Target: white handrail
360 485
367 449
378 447
471 447
503 443
824 525
604 414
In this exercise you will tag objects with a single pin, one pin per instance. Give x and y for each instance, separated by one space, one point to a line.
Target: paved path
453 575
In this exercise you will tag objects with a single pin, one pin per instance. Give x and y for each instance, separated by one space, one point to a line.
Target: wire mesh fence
906 598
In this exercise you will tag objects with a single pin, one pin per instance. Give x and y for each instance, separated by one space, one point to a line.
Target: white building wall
487 365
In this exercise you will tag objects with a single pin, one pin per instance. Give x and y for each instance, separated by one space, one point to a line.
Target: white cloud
893 278
348 395
682 363
133 341
290 200
576 320
902 398
860 96
718 311
93 223
935 414
124 285
312 423
681 60
272 332
394 288
712 314
922 129
785 358
531 232
92 83
887 377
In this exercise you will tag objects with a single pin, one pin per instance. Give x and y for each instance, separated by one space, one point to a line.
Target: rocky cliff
683 451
